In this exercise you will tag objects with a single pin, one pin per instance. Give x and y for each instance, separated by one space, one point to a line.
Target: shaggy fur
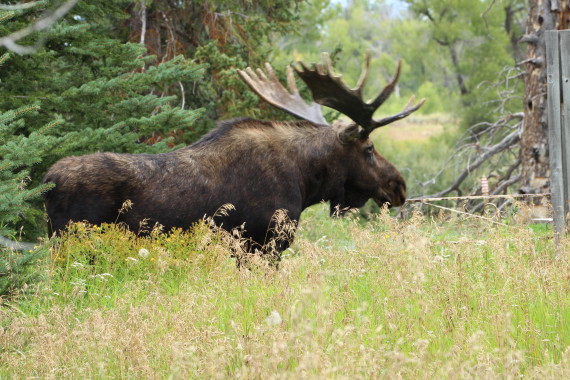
257 166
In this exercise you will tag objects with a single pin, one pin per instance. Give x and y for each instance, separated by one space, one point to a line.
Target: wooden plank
564 40
554 131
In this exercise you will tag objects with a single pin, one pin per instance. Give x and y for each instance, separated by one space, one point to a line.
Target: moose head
369 174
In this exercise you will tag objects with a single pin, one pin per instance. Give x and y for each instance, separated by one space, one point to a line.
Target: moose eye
369 150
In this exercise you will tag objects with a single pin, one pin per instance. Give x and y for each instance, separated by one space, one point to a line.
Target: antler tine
364 73
327 65
267 86
291 83
330 90
406 111
327 69
388 89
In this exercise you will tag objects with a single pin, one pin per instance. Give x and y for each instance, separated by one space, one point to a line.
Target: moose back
257 166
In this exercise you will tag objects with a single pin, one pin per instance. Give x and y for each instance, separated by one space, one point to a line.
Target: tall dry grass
421 299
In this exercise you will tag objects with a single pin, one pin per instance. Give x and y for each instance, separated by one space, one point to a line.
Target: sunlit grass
455 298
418 128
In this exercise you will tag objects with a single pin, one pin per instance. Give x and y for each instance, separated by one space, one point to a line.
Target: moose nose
401 198
399 193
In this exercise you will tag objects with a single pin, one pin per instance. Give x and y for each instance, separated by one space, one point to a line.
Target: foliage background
440 297
147 76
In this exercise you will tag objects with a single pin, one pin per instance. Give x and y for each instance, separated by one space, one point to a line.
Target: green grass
383 298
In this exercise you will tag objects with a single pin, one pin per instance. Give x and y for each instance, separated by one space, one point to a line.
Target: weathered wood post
558 95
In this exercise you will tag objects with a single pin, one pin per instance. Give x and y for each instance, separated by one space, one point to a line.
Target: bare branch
507 142
10 41
143 22
16 245
530 39
538 62
17 7
506 183
483 15
182 95
485 148
503 184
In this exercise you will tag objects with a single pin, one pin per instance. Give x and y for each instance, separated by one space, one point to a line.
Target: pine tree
18 155
223 34
106 95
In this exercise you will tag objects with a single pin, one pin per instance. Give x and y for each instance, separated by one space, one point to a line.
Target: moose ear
349 133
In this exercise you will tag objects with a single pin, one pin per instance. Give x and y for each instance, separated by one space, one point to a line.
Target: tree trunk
460 81
543 15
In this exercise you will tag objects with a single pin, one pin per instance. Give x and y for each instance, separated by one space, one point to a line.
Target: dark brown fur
259 167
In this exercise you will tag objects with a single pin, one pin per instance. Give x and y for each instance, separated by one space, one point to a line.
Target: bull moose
257 166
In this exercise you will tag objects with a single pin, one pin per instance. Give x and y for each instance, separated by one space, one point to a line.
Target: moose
257 166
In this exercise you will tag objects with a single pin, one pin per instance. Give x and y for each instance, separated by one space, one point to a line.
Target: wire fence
478 197
428 202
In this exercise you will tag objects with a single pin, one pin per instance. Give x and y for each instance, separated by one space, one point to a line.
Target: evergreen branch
6 16
38 190
5 166
49 126
25 110
4 57
10 115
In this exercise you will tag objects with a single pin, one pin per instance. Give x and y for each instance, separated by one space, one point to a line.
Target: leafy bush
91 262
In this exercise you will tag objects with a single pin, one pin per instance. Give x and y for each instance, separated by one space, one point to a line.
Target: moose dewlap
257 166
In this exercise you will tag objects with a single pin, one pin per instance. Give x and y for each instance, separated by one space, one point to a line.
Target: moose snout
398 193
399 198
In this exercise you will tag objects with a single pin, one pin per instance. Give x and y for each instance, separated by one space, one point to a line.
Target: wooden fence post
564 42
555 144
558 101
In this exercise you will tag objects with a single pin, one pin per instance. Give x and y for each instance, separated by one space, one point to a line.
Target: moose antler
268 87
330 90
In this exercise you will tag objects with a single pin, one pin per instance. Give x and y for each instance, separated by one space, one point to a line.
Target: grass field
419 299
417 128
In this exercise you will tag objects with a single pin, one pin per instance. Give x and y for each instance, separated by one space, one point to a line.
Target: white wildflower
274 319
